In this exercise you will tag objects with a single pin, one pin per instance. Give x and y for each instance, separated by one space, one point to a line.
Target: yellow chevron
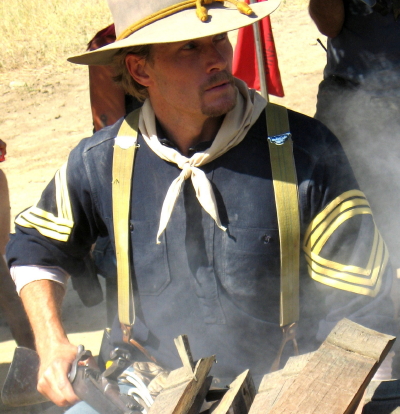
20 220
365 281
49 225
346 273
338 284
355 198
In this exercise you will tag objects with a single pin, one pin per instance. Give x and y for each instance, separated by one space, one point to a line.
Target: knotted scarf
234 128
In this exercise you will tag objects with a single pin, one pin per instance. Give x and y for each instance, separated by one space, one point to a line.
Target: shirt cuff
22 275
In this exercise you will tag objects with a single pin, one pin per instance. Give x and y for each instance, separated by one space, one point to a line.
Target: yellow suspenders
287 207
122 170
286 198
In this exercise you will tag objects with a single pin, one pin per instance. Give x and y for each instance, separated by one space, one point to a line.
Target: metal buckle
288 334
280 139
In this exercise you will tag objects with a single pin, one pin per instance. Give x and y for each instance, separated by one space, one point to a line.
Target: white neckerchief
234 128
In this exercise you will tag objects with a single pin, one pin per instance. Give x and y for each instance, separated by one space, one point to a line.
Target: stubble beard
228 101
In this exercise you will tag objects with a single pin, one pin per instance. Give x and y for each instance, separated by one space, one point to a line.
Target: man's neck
186 131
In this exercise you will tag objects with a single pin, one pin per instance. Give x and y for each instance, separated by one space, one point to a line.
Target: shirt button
266 239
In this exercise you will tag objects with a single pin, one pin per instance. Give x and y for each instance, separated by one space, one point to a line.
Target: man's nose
216 59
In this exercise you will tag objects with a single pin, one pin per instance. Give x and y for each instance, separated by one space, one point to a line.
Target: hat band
201 13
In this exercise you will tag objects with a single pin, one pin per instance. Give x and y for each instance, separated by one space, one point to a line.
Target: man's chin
216 109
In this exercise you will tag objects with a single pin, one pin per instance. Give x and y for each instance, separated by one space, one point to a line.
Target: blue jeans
84 408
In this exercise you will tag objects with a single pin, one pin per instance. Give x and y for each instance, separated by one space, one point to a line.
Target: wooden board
182 388
274 384
337 374
239 397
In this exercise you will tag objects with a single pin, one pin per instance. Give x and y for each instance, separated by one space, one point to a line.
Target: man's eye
220 36
189 46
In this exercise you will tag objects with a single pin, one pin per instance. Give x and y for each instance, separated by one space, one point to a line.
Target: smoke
366 121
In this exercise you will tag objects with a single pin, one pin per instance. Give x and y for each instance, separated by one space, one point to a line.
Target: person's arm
4 212
55 351
328 15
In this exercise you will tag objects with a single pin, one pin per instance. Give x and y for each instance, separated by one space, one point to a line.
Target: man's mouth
218 82
218 85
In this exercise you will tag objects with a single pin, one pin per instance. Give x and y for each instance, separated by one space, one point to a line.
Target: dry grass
36 32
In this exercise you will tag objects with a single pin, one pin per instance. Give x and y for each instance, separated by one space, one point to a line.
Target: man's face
193 77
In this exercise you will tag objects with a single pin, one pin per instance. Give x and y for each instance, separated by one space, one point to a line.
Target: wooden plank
239 397
181 389
274 384
200 398
183 347
336 376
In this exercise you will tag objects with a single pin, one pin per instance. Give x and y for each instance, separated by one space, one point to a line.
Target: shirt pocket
251 270
150 259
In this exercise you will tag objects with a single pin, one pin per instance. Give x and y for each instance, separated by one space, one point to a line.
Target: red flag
245 58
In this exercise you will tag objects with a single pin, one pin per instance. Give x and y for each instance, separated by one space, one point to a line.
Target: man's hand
328 15
42 300
53 382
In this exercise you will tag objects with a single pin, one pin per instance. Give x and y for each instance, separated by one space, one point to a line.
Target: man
203 221
359 99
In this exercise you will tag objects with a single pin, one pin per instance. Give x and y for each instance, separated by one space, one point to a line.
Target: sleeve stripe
350 287
62 195
365 281
329 228
348 268
42 230
338 206
346 273
38 221
338 284
55 227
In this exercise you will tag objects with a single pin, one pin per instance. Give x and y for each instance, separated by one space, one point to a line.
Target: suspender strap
122 170
286 200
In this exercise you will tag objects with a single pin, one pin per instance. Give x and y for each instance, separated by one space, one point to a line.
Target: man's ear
136 66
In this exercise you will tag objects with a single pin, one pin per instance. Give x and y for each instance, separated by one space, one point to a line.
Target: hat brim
181 26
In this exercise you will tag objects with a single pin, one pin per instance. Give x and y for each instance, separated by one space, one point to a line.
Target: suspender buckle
288 334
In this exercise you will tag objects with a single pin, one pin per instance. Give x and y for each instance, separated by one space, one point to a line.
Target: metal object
260 58
19 388
288 334
99 390
280 139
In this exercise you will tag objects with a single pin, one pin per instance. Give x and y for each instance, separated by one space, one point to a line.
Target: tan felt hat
141 22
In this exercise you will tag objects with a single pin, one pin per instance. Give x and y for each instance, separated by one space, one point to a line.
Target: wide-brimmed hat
141 22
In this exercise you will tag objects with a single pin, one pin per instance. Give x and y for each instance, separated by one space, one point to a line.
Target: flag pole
260 58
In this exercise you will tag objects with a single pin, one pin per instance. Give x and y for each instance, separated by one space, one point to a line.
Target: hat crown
127 12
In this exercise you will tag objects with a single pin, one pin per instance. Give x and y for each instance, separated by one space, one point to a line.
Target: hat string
201 13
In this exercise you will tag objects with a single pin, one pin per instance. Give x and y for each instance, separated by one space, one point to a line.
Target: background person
10 303
359 99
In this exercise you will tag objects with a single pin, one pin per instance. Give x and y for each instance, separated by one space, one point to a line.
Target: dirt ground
45 112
